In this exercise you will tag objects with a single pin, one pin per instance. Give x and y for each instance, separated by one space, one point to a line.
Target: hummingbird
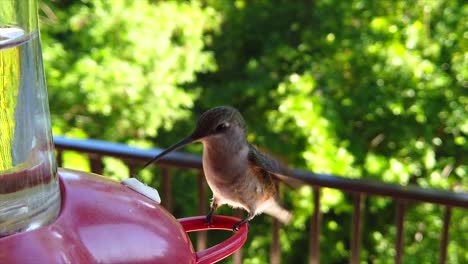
238 174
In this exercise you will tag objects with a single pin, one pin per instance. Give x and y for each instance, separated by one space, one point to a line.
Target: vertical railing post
132 169
445 235
448 200
237 256
314 246
400 235
96 163
275 250
202 209
356 232
59 157
166 185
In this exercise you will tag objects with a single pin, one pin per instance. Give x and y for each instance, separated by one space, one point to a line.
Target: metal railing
360 188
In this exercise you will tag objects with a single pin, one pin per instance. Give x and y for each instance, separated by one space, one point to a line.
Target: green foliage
126 63
358 88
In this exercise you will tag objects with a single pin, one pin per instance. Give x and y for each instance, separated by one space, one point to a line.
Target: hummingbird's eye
222 127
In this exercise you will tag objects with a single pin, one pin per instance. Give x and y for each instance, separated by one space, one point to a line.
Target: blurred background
358 88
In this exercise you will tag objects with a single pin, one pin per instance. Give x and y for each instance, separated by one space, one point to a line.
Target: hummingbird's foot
209 218
249 217
236 226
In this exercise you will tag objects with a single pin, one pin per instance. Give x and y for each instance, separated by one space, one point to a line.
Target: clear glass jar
29 188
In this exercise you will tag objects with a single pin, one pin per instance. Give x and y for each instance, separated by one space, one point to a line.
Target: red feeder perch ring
225 248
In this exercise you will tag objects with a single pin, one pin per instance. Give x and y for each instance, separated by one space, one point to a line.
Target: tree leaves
359 88
126 64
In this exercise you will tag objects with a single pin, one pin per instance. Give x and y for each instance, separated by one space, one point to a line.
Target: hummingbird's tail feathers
278 212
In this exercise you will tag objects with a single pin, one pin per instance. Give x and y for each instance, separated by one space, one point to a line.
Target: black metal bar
400 235
237 256
202 209
314 248
132 169
275 250
122 151
356 231
59 157
445 235
166 189
415 193
96 163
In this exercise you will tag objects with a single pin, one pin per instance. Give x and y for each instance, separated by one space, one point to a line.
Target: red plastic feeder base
103 221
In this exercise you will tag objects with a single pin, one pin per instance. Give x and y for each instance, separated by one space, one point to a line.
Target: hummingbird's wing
270 167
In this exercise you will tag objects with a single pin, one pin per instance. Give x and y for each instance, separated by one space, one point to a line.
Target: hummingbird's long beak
176 146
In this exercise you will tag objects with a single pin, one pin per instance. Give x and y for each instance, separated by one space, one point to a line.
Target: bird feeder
50 215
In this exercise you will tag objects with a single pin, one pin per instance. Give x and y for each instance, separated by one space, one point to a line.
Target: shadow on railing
135 157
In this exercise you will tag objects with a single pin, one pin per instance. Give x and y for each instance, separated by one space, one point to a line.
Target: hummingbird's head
217 121
223 121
